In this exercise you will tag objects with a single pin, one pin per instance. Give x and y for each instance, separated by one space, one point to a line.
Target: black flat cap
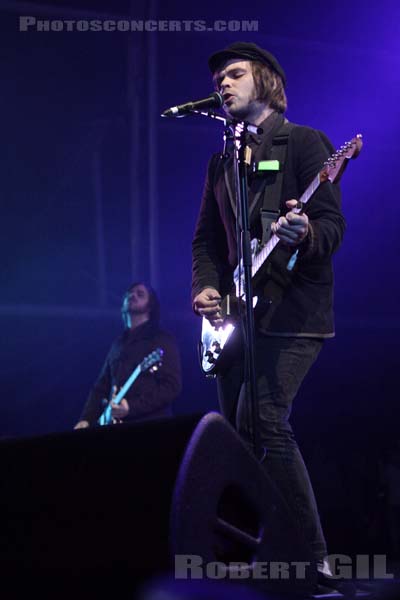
246 51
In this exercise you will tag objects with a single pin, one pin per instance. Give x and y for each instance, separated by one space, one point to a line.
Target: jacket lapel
257 186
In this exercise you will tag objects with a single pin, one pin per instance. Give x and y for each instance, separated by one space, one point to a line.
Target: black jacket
302 300
151 394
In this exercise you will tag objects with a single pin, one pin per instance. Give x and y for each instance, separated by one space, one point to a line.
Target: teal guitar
152 361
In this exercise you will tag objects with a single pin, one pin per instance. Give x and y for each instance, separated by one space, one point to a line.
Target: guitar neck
312 188
135 374
262 256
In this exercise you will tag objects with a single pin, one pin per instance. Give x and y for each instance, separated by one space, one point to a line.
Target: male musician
290 334
152 393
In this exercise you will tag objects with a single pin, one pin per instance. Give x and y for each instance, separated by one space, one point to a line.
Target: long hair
154 304
269 86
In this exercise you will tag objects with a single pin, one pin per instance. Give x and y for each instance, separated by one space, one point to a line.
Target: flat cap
246 51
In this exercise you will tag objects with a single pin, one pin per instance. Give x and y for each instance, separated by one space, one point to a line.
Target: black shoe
365 586
346 588
321 592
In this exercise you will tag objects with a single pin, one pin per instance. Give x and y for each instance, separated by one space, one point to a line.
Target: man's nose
224 83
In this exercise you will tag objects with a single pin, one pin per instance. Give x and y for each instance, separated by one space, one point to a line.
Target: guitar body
214 343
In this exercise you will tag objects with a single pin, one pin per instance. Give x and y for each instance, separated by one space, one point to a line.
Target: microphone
215 100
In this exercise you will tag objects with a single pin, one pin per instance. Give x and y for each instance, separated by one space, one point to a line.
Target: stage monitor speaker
228 517
105 509
88 510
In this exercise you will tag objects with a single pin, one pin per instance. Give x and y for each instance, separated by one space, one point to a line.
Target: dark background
68 100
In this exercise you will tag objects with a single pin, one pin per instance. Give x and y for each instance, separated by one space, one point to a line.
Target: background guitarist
152 393
290 334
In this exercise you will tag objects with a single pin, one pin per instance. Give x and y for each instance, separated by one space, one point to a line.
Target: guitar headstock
336 164
152 361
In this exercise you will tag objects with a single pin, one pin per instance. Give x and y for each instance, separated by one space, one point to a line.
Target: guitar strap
270 209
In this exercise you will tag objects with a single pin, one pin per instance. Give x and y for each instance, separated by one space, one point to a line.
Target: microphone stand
237 130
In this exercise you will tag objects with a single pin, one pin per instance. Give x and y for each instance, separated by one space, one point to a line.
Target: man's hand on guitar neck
119 411
293 227
208 304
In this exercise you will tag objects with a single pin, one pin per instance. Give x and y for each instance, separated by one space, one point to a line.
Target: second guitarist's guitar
213 341
152 361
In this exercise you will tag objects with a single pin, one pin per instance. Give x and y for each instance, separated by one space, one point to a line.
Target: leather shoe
346 588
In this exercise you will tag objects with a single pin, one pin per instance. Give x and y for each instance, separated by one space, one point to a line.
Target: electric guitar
213 341
152 361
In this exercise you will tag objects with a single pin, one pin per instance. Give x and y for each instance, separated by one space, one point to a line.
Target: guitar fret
264 253
311 189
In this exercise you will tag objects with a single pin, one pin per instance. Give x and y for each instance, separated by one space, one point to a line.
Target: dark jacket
302 300
152 393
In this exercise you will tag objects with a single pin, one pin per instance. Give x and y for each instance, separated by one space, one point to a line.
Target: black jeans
281 365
